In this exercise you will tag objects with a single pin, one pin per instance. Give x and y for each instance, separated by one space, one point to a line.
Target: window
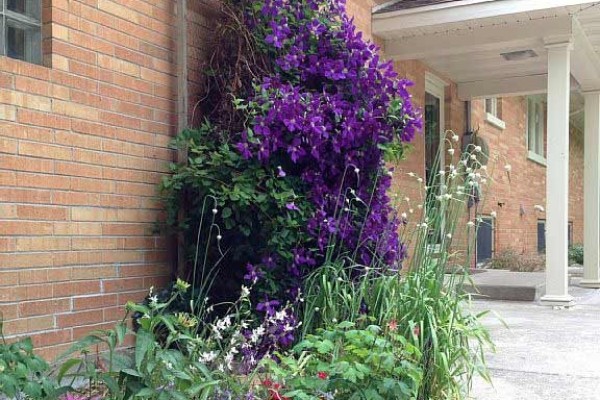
493 112
541 235
491 106
21 30
535 128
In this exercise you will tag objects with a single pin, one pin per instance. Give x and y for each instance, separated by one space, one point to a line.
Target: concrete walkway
545 353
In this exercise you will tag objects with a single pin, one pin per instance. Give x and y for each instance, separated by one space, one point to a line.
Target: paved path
545 353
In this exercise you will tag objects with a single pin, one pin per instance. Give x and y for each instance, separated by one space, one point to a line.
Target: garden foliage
294 249
302 167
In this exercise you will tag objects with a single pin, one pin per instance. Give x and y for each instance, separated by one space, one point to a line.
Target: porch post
557 175
591 193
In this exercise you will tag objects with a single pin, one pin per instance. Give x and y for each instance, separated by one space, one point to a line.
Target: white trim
586 62
495 38
505 87
535 157
460 12
435 83
423 8
495 121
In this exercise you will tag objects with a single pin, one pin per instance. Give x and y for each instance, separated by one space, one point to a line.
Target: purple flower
268 307
253 274
292 206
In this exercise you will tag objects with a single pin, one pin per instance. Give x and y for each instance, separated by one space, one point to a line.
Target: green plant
22 373
426 303
349 361
576 254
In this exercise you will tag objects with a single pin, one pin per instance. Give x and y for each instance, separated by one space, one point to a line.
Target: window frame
492 107
536 154
30 23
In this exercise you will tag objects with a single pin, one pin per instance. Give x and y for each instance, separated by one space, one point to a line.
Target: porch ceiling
464 40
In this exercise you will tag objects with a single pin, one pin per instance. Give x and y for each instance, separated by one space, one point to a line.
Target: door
434 160
485 239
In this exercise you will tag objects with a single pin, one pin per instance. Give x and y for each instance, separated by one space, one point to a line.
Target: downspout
182 111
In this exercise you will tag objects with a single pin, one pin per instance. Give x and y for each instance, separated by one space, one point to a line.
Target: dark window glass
15 42
541 236
16 6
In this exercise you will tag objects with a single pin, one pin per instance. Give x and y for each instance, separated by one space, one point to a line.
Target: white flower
219 237
455 137
448 196
245 291
317 309
451 152
390 173
539 208
410 210
470 223
208 357
442 173
493 214
356 170
473 157
153 301
471 175
420 206
151 290
407 199
449 235
257 334
469 170
420 180
411 174
477 175
507 167
214 210
404 216
424 225
346 209
477 149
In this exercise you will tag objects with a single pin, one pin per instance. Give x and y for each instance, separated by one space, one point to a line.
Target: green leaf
66 367
144 341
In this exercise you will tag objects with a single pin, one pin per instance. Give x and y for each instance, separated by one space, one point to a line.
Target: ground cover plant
305 278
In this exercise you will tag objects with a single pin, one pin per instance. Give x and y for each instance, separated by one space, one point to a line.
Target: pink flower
417 330
393 325
322 375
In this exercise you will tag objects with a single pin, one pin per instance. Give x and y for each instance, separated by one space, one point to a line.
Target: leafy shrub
576 254
293 148
512 260
348 361
22 373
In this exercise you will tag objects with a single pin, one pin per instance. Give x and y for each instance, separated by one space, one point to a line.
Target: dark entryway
485 239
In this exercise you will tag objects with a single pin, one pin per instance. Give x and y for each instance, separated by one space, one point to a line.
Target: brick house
92 91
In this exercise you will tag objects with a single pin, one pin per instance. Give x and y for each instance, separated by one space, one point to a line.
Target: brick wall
514 198
83 144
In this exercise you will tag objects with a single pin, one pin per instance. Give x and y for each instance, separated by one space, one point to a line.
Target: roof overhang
465 40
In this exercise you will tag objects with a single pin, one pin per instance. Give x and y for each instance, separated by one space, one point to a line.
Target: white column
591 192
557 175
